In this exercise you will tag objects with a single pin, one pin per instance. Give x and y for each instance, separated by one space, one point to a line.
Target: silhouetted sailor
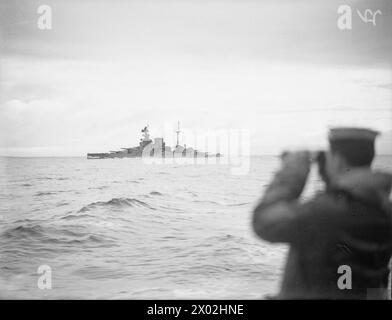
341 240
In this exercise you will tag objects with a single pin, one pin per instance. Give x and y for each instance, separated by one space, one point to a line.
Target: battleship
157 148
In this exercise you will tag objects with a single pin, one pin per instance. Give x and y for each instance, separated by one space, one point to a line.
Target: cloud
302 31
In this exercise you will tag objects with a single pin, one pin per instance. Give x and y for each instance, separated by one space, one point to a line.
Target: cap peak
352 133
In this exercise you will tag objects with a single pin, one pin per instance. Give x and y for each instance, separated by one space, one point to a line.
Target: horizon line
85 156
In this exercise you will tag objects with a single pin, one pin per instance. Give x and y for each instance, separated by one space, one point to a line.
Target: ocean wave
156 193
98 188
75 216
51 235
23 231
53 178
116 203
62 204
208 201
87 238
225 239
133 181
239 204
40 194
222 203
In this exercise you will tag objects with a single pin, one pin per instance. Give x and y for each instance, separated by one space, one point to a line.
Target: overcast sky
281 69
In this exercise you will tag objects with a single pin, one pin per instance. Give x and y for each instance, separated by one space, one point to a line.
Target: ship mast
178 133
146 134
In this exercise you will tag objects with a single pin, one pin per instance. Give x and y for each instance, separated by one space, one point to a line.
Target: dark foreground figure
341 240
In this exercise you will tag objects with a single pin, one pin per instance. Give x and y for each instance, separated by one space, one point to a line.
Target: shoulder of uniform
330 201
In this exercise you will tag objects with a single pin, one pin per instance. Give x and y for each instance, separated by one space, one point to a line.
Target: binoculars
317 157
320 158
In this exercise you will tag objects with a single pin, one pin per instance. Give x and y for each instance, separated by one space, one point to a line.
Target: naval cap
349 133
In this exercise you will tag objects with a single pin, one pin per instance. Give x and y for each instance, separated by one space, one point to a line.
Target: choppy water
120 228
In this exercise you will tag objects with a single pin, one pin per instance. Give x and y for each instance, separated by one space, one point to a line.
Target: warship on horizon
148 148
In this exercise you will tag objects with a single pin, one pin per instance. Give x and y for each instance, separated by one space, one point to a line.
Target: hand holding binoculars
317 157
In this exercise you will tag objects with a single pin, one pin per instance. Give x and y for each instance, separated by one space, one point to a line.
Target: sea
127 229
